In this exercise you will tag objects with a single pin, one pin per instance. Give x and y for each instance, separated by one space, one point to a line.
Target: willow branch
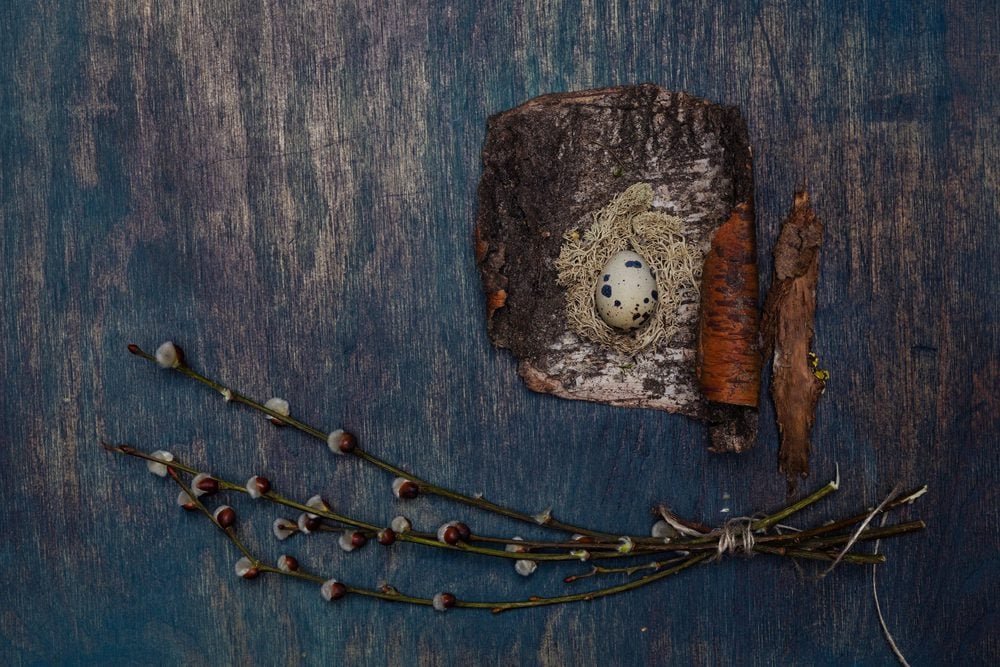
234 396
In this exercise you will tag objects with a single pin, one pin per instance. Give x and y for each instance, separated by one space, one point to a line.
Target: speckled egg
626 292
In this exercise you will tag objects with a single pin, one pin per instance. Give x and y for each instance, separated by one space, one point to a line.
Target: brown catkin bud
263 485
464 532
207 484
185 501
333 590
443 601
246 569
226 516
288 563
347 442
386 536
405 489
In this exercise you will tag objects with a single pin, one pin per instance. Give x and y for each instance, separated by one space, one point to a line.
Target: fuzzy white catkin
333 441
525 568
158 468
243 566
326 590
278 405
345 541
317 503
283 528
166 355
662 529
516 548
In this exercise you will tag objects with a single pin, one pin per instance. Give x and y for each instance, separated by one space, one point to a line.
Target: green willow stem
901 499
860 559
395 596
766 522
867 535
630 570
807 554
234 396
594 594
594 551
424 539
809 550
498 607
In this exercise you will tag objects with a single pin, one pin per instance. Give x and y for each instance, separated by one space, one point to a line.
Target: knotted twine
735 536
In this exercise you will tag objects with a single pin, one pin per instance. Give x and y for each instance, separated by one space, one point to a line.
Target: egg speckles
626 292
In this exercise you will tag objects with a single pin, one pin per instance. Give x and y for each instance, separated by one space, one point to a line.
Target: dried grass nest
628 223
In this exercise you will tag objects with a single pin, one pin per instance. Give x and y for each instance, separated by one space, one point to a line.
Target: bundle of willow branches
675 544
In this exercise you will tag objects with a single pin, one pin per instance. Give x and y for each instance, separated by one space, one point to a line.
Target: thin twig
392 595
576 550
231 395
857 533
594 551
881 620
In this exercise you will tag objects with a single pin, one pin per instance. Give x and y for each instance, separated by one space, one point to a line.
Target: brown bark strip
728 357
731 428
729 369
787 333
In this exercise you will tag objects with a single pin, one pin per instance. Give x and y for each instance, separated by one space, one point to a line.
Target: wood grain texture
288 190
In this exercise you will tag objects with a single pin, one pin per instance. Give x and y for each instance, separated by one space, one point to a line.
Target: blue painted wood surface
288 190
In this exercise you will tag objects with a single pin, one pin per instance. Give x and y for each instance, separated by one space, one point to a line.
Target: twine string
735 536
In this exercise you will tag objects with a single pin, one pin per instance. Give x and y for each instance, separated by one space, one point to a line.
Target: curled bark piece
787 333
728 356
729 368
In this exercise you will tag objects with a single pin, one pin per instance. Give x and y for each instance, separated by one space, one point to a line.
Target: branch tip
117 449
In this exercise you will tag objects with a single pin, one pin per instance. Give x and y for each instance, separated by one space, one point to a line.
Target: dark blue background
288 190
